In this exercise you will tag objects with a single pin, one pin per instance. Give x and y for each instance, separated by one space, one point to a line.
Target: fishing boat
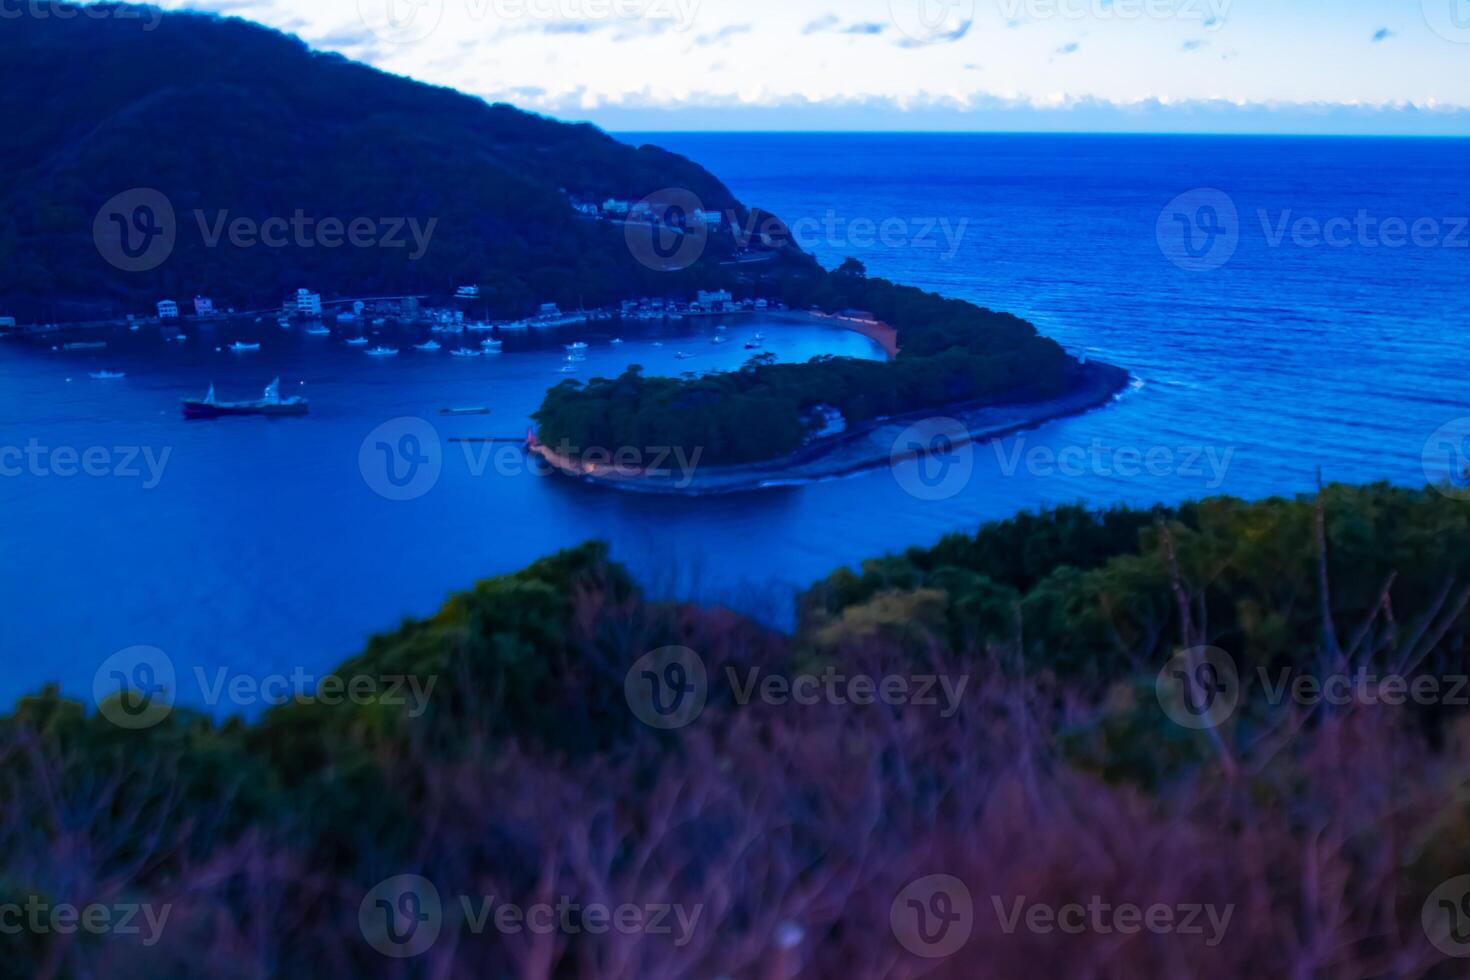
356 341
383 352
492 345
431 345
464 352
272 403
242 346
107 375
464 411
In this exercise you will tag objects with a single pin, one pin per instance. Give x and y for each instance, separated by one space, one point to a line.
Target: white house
203 306
712 219
168 310
614 206
308 303
467 292
714 300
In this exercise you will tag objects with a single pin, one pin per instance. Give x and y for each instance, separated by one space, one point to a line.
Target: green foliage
231 120
951 352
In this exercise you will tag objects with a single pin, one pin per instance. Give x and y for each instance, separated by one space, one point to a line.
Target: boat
464 411
464 352
318 330
383 352
284 322
271 403
241 346
658 343
719 340
752 345
492 345
379 321
568 369
356 341
615 341
430 345
760 336
577 346
85 345
683 356
135 328
107 375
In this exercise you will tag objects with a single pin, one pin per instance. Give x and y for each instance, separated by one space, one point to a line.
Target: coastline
867 446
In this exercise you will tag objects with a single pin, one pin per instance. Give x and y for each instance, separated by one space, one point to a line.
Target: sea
1289 309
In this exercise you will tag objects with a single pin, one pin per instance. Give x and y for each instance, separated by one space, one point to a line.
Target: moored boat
272 403
107 375
241 346
356 341
464 352
464 411
431 345
383 352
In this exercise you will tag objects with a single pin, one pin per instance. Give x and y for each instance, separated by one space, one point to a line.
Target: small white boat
379 321
242 346
107 375
615 341
383 352
719 340
135 328
356 341
658 343
577 346
492 345
284 322
317 330
464 352
568 369
431 345
760 336
683 356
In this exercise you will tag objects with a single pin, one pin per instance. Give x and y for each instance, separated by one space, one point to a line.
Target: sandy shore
866 446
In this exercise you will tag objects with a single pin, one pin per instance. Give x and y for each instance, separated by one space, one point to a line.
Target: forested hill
234 120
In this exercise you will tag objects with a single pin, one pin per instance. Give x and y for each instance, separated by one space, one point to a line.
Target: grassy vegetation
1057 775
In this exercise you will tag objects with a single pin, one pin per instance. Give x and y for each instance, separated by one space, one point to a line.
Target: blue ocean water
1262 351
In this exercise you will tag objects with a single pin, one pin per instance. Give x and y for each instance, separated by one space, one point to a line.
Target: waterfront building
168 310
203 306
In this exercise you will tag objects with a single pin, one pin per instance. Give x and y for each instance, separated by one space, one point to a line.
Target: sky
1308 66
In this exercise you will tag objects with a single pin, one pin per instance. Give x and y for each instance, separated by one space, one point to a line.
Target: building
308 303
712 219
7 323
549 309
715 300
467 292
168 310
614 206
203 306
587 208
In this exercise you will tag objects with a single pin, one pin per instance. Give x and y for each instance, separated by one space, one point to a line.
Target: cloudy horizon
1317 66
